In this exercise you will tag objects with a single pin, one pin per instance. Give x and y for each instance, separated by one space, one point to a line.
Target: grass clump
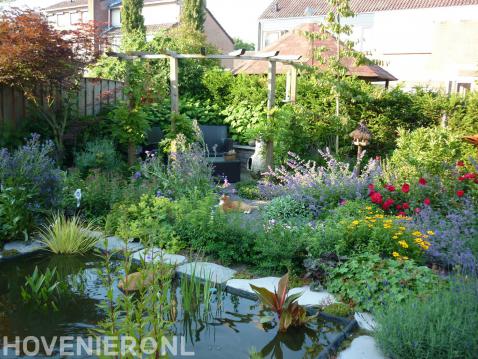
443 325
338 310
68 235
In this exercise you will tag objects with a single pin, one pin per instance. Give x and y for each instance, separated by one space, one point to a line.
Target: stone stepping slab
363 347
365 321
20 248
115 244
158 255
207 271
308 297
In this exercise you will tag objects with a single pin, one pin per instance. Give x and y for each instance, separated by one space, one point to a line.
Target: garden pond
231 327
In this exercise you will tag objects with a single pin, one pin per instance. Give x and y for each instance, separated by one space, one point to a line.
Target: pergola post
174 89
291 85
271 99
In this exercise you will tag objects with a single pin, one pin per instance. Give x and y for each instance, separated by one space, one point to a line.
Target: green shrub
100 155
338 310
285 208
368 281
99 192
205 229
248 190
16 219
440 326
150 220
68 235
281 248
428 151
367 230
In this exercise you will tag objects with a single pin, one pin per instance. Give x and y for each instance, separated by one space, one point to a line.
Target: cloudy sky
238 17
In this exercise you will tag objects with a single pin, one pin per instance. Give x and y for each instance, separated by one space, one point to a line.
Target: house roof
67 4
296 43
300 8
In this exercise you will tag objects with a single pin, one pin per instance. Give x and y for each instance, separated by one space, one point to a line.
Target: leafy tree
335 62
241 44
33 53
193 14
132 19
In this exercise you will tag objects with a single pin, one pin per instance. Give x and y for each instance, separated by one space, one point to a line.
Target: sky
238 17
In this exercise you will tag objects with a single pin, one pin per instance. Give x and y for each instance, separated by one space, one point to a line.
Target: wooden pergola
271 57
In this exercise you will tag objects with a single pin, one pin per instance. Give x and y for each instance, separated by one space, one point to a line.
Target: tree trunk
269 155
131 154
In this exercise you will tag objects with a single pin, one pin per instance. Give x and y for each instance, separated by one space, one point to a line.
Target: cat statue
227 205
135 281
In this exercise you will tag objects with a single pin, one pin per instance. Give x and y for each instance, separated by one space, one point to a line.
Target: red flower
460 163
417 210
391 188
406 206
387 204
371 187
460 193
427 202
406 188
461 178
422 181
398 207
476 181
376 198
402 214
470 175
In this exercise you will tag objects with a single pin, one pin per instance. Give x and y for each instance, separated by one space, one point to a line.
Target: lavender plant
187 172
322 187
455 239
30 185
33 168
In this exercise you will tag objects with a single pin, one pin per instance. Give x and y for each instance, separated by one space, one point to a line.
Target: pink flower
387 204
427 202
460 193
391 188
406 188
422 181
402 214
417 210
470 176
376 198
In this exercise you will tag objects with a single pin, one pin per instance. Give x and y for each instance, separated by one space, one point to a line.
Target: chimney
98 11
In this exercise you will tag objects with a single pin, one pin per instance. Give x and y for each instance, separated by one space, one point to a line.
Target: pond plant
288 310
68 235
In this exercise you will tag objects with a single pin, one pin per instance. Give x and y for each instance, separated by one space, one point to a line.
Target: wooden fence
93 95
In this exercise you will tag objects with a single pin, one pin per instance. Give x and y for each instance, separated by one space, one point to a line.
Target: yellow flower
417 233
404 257
395 237
355 222
387 226
369 208
395 254
402 228
425 236
403 244
431 233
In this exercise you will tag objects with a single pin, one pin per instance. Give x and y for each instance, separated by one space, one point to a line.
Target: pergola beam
231 56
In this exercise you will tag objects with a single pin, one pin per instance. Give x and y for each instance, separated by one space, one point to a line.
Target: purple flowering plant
321 187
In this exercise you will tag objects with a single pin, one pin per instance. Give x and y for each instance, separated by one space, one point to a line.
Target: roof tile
300 8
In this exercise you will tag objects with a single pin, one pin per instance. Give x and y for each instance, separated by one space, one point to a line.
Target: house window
63 19
271 37
75 18
52 19
116 17
85 16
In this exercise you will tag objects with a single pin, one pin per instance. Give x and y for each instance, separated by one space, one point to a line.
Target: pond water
230 329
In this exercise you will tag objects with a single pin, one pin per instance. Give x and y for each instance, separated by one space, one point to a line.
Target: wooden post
174 89
271 99
293 84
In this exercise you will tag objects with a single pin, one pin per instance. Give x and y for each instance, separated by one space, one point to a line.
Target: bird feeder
361 138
